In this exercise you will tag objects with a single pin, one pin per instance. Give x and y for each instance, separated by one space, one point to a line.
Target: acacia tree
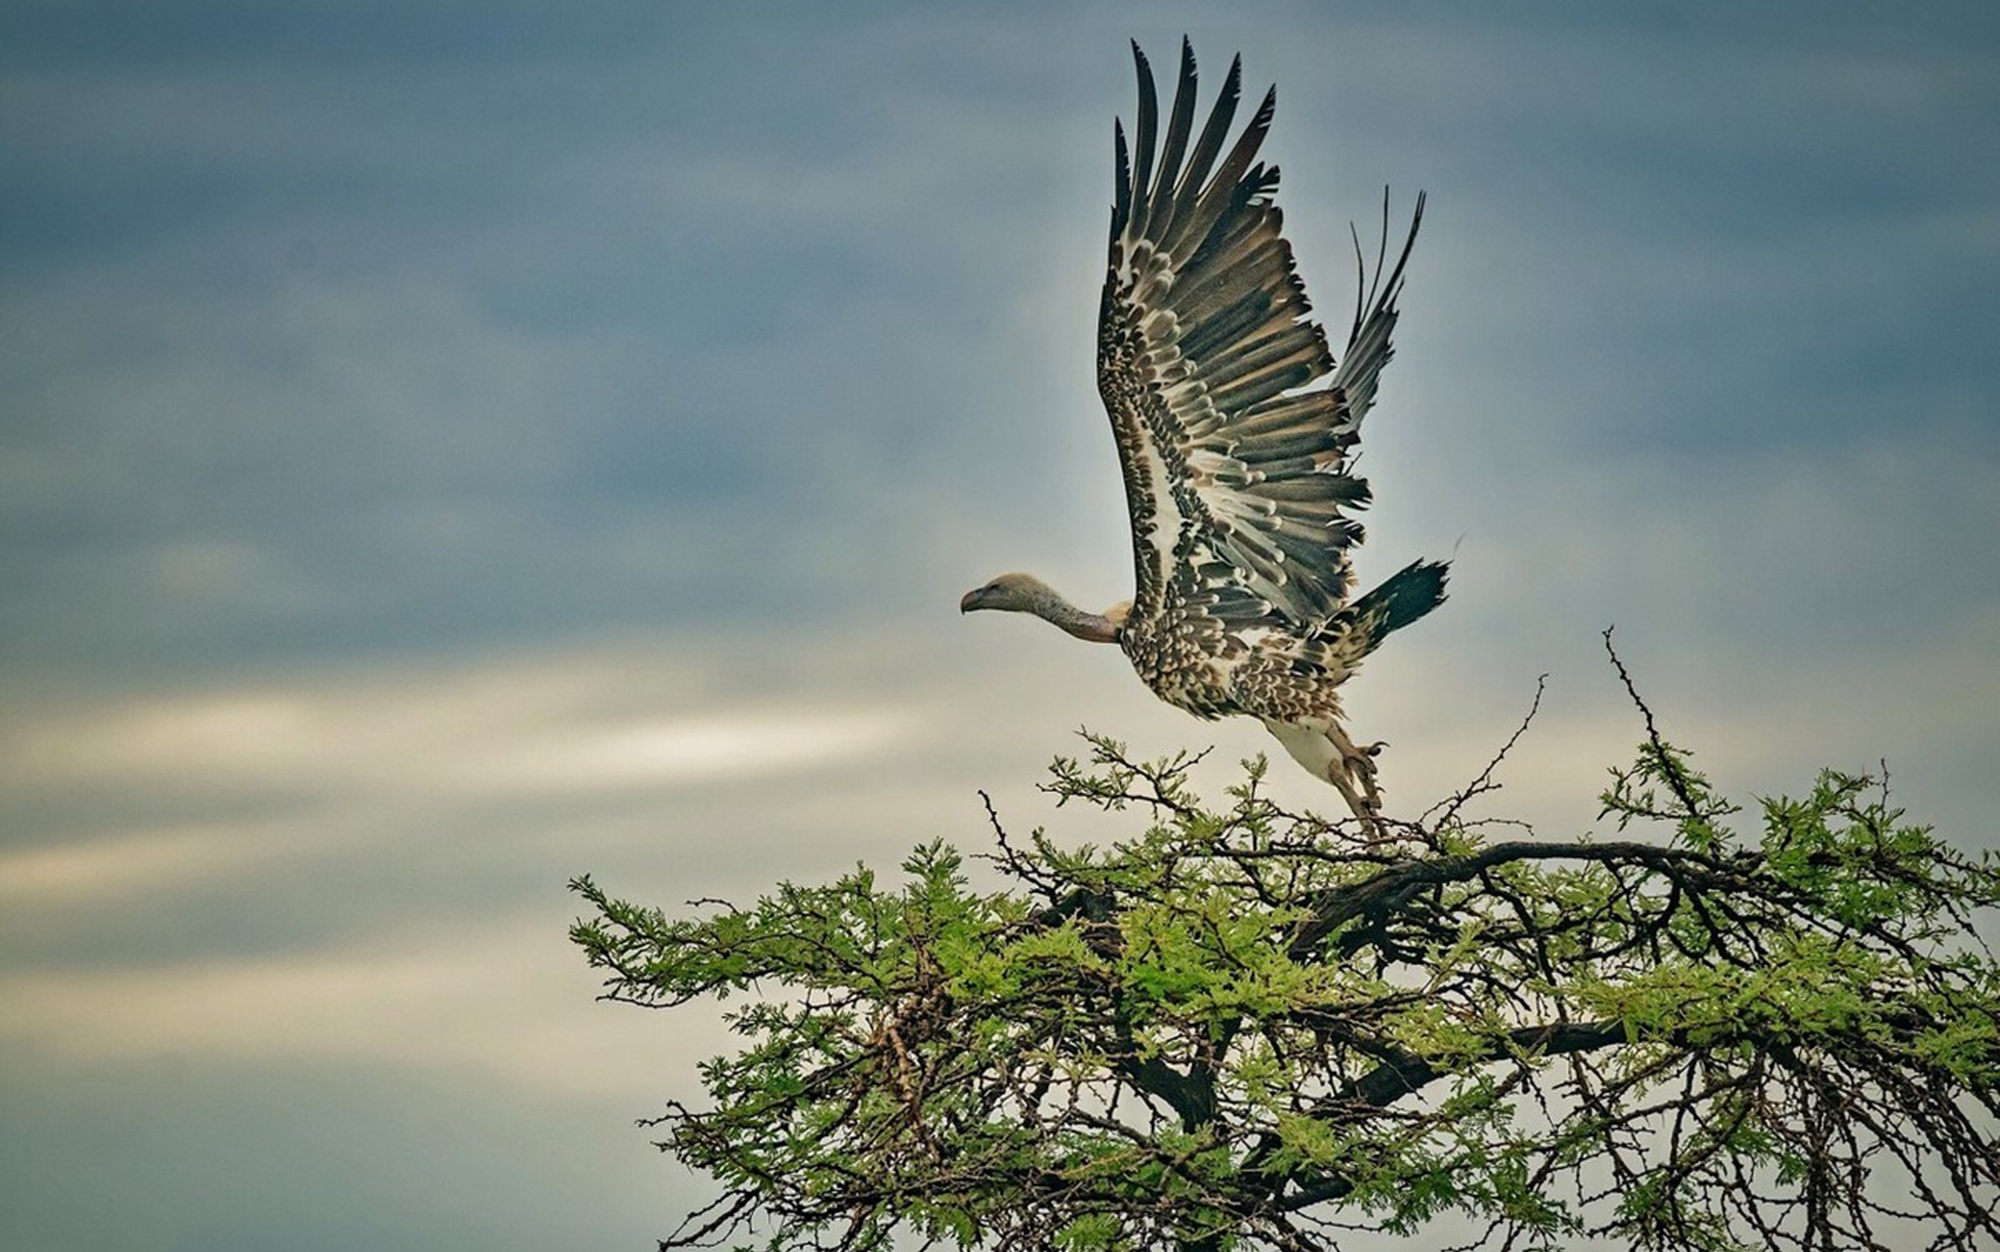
1250 1027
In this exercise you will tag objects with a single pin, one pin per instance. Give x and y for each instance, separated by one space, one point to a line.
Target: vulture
1236 432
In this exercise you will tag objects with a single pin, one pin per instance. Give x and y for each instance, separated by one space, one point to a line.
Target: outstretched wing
1235 461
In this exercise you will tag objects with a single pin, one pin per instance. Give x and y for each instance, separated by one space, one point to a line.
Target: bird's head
1015 593
1024 593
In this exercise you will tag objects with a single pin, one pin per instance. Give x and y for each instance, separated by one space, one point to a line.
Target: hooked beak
969 601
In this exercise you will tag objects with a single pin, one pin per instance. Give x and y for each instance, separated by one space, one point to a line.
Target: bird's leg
1355 766
1355 803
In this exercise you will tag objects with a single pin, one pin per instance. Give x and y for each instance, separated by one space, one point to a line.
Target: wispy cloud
455 1001
510 730
127 864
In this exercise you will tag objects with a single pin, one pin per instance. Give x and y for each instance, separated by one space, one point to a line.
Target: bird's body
1234 427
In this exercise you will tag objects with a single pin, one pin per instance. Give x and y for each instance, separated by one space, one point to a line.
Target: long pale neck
1070 619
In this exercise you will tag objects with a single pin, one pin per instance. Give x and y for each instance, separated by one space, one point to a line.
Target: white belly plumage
1310 745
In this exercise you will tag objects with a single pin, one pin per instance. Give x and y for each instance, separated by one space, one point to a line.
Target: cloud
332 770
451 737
455 1002
124 865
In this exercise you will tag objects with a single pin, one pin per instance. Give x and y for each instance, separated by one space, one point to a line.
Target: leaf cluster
1245 1026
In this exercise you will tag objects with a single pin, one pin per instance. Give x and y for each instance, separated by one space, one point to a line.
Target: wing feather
1368 348
1229 191
1121 207
1149 122
1161 201
1180 219
1234 456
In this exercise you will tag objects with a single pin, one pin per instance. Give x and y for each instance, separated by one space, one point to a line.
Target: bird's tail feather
1407 595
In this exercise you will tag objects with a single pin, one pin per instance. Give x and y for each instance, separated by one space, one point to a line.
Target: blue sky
451 447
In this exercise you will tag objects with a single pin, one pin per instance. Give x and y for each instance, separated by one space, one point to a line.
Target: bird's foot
1353 775
1352 772
1363 768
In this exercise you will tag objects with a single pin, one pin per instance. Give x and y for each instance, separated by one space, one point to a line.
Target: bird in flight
1235 429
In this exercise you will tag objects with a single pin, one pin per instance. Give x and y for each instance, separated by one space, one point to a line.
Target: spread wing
1232 421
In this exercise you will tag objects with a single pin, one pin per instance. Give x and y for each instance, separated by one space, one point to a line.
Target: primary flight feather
1234 424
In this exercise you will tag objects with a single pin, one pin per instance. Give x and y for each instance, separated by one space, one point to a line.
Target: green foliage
1243 1026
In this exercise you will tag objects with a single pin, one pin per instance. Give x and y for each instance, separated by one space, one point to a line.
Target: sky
446 448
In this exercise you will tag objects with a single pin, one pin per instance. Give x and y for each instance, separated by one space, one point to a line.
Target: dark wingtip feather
1409 243
1267 188
1391 286
1147 136
1227 192
1121 204
1143 65
1161 204
1194 177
